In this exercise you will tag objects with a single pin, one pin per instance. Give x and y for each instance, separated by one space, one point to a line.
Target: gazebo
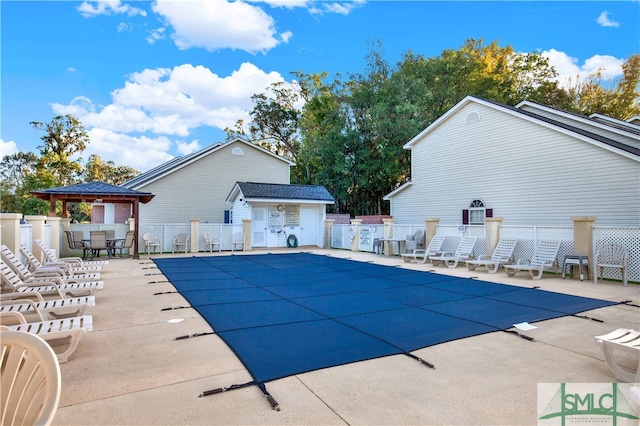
96 191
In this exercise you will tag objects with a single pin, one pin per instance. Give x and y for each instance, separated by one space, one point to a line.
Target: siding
526 173
199 190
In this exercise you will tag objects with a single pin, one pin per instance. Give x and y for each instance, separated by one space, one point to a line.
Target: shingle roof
253 190
95 189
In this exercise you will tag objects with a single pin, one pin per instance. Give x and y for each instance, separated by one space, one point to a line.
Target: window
476 213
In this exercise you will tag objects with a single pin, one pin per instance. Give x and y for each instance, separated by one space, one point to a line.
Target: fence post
65 250
431 226
194 235
54 238
10 223
583 236
492 233
388 233
246 228
355 240
328 228
37 229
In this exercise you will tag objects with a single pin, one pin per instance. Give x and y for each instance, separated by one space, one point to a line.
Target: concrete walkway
130 370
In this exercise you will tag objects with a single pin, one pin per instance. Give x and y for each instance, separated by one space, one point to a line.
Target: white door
308 227
259 227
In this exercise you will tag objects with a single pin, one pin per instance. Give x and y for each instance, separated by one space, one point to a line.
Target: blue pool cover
285 314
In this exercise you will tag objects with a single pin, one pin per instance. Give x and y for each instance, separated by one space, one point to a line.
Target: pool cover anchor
188 336
422 361
261 386
524 336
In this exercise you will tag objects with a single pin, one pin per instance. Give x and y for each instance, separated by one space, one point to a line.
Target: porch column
54 238
432 229
194 235
246 228
10 231
492 233
328 227
355 240
583 236
37 233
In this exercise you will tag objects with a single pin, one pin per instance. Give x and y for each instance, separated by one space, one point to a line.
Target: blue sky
151 80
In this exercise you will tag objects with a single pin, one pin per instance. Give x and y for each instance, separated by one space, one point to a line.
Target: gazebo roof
92 191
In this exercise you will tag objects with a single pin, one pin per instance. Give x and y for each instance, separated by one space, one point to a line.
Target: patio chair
97 243
49 309
211 243
415 241
77 242
611 255
462 253
151 242
625 340
66 274
502 255
238 240
126 243
544 258
180 240
46 286
31 383
420 255
67 331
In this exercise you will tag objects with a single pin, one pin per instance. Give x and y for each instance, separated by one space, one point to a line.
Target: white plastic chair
30 379
211 243
611 256
151 242
238 241
180 240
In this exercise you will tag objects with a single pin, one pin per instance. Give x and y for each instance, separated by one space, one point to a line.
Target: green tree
96 170
64 137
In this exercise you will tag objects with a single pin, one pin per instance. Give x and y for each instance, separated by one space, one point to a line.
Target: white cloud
605 21
108 7
158 106
341 8
214 25
568 67
7 148
185 148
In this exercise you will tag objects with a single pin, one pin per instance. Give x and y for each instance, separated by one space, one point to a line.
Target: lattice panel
628 237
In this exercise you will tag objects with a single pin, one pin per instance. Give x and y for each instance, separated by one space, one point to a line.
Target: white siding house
196 186
530 165
279 211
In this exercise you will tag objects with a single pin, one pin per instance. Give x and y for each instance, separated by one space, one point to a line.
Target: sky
152 80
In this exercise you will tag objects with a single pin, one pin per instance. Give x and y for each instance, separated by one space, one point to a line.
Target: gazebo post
136 228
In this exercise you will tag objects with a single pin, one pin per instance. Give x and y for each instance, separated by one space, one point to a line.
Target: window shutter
465 217
488 213
227 216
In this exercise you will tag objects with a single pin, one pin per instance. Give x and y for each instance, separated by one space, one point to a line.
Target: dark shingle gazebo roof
91 191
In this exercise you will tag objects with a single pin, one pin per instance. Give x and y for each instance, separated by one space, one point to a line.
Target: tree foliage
349 133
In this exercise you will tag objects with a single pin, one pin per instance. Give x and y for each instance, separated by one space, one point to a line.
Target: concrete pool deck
130 370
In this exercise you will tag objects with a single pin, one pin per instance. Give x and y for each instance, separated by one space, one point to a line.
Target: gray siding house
529 164
196 185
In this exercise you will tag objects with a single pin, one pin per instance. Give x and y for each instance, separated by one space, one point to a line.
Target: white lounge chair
625 340
52 331
50 257
502 255
33 263
611 256
50 309
180 240
238 241
421 255
544 259
151 242
30 381
211 243
68 275
51 286
462 253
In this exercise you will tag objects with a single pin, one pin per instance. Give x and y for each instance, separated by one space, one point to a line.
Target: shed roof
254 191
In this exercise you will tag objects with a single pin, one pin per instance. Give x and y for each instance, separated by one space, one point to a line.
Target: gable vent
237 151
472 117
